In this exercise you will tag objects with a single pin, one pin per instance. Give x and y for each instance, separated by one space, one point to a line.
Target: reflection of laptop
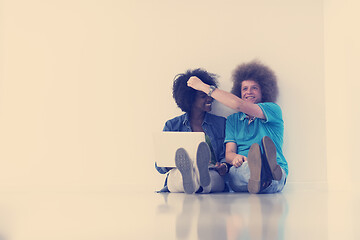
166 144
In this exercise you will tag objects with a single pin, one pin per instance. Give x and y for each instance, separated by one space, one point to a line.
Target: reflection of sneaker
270 158
254 162
184 164
203 156
185 218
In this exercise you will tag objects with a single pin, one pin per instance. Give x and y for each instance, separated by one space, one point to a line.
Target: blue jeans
239 178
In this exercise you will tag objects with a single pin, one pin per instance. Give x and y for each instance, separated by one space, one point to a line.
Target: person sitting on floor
188 177
254 134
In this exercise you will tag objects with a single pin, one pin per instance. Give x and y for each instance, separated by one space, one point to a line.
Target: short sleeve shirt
244 134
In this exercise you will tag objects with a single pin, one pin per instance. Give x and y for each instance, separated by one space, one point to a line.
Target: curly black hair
185 96
259 73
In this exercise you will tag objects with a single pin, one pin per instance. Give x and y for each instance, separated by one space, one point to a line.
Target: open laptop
166 144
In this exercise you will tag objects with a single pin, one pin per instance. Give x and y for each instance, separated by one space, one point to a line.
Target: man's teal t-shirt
239 130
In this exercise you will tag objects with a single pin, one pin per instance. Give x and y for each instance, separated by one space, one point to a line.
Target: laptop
166 144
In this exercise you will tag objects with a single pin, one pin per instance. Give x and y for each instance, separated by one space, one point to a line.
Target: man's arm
231 155
228 99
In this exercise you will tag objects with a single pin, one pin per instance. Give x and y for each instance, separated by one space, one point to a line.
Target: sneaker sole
183 163
270 153
254 162
203 156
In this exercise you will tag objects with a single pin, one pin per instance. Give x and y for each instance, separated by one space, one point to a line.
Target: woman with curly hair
186 177
254 134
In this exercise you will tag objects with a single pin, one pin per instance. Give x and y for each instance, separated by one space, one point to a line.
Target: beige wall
85 83
342 52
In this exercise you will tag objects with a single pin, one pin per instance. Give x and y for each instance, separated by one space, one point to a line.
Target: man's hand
238 160
197 84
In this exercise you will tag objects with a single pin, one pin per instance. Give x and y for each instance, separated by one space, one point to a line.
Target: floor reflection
226 216
297 213
257 217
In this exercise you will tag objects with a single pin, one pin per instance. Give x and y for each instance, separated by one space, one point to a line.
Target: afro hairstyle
259 73
183 94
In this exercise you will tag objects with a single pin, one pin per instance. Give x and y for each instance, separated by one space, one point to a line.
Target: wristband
212 88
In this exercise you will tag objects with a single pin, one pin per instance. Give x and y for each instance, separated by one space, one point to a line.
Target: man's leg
276 186
269 158
272 170
239 177
258 180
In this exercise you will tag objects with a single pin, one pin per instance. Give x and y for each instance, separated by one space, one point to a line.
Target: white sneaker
203 156
185 166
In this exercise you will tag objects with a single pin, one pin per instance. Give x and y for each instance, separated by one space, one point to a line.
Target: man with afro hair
254 134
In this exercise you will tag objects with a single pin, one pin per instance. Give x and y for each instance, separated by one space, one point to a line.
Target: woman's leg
188 178
175 181
216 182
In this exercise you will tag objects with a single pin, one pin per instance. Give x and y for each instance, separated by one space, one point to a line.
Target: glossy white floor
299 212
